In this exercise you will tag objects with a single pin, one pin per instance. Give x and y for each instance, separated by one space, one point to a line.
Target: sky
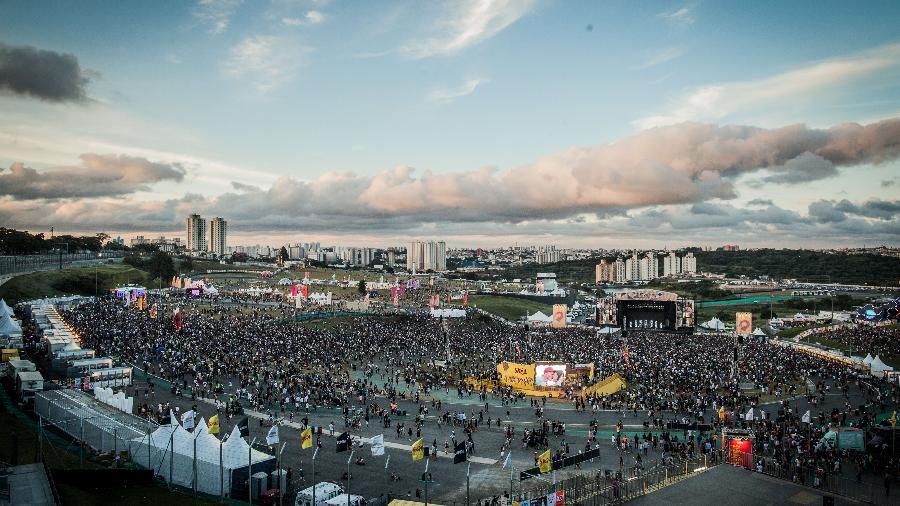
484 123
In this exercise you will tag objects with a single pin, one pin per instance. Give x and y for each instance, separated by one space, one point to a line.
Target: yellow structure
10 354
608 386
516 375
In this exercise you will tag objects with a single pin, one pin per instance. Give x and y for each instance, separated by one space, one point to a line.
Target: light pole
349 459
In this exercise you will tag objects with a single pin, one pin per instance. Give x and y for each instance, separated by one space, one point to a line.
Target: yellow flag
213 425
418 450
545 462
721 412
894 419
306 438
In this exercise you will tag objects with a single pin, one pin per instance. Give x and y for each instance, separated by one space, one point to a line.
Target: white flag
272 436
378 445
806 417
508 461
187 419
749 415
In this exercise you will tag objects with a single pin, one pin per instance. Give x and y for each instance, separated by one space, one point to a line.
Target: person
360 461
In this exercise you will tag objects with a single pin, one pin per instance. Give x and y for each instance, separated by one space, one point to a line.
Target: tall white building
218 236
689 264
649 267
423 256
633 268
671 265
546 255
196 233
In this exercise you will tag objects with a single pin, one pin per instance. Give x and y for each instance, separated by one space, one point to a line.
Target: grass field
70 281
507 307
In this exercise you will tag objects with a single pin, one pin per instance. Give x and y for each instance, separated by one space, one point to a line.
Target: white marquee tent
714 324
539 317
878 366
4 309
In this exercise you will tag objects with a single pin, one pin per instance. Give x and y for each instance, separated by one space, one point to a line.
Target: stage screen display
549 375
646 315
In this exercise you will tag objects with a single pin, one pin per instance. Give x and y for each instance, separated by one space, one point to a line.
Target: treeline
567 271
19 242
803 265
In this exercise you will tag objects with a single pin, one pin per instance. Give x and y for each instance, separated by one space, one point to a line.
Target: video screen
550 375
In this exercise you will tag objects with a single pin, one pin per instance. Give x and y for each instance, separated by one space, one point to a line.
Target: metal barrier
609 487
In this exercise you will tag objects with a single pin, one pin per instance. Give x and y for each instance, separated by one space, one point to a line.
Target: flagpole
425 475
281 483
349 459
221 475
314 474
249 471
468 469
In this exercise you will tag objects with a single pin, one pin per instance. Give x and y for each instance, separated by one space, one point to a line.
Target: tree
361 286
161 266
187 264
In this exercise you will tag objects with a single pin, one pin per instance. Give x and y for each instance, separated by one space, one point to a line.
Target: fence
100 427
828 481
610 487
27 263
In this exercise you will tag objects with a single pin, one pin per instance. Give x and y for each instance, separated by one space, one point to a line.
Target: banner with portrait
516 375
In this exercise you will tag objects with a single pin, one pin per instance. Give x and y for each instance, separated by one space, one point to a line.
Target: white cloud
448 94
310 18
683 16
266 61
717 101
468 23
216 13
660 57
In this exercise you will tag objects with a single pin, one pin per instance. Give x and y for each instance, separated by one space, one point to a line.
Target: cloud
760 202
467 23
682 16
42 74
266 61
717 101
640 180
99 175
803 169
660 57
830 211
216 13
448 94
888 182
310 18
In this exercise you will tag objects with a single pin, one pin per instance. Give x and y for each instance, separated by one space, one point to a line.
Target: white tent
539 317
608 330
759 332
878 366
714 324
210 289
868 359
9 326
172 450
4 309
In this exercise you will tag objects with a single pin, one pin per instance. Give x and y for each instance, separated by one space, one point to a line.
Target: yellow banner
608 386
306 438
545 462
516 375
418 450
559 316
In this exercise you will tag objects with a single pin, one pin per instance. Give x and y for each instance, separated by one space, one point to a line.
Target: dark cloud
830 211
42 74
241 187
803 169
760 202
888 182
98 176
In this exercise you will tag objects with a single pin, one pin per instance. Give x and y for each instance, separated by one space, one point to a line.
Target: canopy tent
714 324
173 453
8 326
608 330
210 289
759 332
540 317
868 359
448 313
878 365
4 309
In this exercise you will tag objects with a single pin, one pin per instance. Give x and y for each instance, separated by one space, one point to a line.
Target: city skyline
481 123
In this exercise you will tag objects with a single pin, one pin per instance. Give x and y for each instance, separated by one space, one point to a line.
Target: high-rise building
689 264
218 236
648 267
546 255
671 265
610 272
633 268
196 233
618 271
423 256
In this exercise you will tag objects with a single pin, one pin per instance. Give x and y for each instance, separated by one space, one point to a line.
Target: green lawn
508 307
70 281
